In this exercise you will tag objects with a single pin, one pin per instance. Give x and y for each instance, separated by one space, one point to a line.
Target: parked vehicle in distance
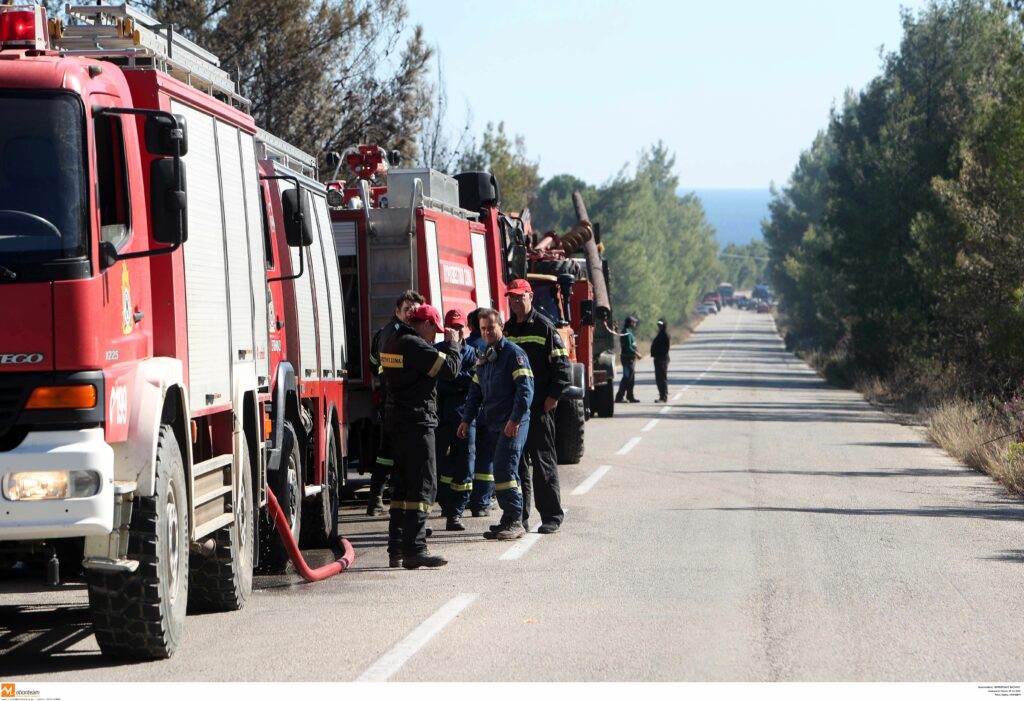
763 307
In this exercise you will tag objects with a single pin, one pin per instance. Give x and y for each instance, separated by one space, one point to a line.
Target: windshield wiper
7 274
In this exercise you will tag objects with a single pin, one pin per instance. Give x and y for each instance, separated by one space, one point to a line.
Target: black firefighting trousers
413 488
661 377
541 454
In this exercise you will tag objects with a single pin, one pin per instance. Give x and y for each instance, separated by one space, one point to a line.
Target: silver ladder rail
280 151
124 34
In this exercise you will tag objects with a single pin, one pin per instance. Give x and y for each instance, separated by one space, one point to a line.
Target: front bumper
82 449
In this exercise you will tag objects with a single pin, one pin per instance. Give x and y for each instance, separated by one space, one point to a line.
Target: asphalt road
761 527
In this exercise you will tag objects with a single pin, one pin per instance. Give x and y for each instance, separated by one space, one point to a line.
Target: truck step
207 466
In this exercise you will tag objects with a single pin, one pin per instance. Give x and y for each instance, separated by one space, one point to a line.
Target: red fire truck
398 229
307 353
135 369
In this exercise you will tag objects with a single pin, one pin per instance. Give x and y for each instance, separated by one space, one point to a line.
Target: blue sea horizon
736 214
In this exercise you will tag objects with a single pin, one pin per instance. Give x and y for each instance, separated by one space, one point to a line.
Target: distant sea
735 214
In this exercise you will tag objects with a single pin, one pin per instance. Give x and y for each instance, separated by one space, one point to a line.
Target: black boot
423 559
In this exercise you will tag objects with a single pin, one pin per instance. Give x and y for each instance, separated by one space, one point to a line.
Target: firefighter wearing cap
454 454
629 355
499 400
412 368
406 303
552 375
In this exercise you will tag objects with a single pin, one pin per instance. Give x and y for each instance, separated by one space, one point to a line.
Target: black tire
223 581
141 615
320 519
569 421
288 486
602 401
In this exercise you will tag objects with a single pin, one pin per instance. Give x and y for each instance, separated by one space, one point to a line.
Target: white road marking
665 410
393 659
586 484
629 445
650 424
522 545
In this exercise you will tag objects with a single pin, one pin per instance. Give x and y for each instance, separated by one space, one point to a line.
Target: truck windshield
42 179
545 299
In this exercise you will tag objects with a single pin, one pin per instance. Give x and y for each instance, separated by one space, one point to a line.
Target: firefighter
474 338
630 354
499 400
412 368
659 353
549 360
454 455
404 305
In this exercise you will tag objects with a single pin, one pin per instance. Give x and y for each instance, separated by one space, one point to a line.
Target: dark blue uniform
502 391
454 455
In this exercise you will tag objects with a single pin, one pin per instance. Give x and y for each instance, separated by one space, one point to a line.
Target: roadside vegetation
897 245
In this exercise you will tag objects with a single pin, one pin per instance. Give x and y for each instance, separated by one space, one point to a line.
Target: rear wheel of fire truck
603 400
287 484
142 614
569 420
223 581
320 522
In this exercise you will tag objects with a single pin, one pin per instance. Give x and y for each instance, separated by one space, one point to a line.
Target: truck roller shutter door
257 272
206 299
323 303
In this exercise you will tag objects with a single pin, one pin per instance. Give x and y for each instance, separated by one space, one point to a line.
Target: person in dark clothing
404 305
659 353
454 454
474 339
499 400
549 360
412 368
629 355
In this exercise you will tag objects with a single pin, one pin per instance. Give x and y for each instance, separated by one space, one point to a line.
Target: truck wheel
569 420
141 614
223 581
287 484
320 522
603 400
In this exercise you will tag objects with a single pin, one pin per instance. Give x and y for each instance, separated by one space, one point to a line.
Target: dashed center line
629 445
521 546
393 660
588 483
650 424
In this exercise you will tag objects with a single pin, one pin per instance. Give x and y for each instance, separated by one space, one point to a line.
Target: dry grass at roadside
964 431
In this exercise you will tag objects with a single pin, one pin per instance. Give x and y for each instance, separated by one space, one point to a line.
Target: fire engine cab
136 406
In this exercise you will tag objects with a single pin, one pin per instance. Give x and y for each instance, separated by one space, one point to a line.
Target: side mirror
168 202
166 135
296 225
587 312
517 263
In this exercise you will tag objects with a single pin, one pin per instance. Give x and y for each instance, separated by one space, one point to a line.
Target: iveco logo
21 358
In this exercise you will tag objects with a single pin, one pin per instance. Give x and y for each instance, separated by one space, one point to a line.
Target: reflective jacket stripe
483 477
438 364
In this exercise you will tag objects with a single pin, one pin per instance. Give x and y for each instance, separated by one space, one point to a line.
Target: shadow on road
37 638
879 472
988 514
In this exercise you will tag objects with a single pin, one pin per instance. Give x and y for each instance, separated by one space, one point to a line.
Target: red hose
285 531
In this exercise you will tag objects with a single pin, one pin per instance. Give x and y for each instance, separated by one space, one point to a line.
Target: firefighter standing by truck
454 454
412 368
549 360
406 303
499 400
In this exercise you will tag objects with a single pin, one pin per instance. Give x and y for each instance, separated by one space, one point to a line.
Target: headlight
36 486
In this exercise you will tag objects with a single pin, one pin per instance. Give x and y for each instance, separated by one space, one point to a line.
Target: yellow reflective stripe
411 506
522 372
506 485
438 364
519 340
476 379
483 477
559 352
445 480
385 461
464 487
392 360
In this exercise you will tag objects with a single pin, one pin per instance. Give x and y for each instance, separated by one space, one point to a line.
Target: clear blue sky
735 89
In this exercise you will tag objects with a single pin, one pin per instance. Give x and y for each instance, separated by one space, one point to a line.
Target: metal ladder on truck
132 39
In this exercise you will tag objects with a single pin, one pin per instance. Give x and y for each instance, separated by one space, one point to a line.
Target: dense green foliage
660 248
897 243
746 265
